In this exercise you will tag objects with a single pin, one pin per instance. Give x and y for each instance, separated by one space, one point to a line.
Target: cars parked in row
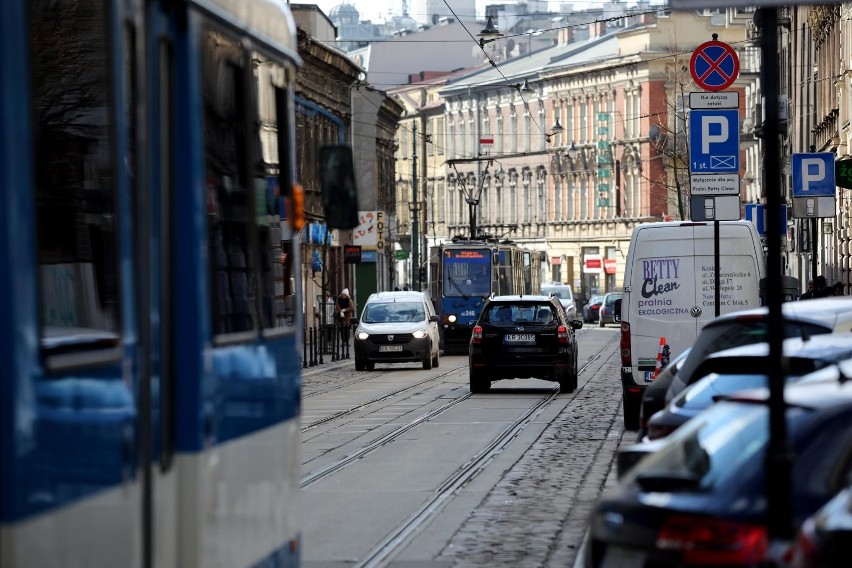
743 368
699 499
517 337
397 327
606 313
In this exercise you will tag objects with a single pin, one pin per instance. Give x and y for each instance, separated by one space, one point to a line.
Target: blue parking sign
714 141
813 174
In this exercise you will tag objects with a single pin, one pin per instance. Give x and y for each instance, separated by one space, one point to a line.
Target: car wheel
370 365
427 362
479 384
601 323
632 405
359 364
568 381
436 360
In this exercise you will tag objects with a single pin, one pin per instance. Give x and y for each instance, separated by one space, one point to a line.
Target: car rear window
711 450
519 312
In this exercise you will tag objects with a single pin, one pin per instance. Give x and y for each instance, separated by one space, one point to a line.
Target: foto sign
714 141
813 174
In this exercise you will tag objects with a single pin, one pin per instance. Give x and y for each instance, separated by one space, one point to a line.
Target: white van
669 293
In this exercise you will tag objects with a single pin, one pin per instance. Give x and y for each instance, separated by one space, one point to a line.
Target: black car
518 337
700 499
654 396
825 539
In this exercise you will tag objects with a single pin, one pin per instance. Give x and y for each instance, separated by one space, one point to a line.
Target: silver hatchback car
397 327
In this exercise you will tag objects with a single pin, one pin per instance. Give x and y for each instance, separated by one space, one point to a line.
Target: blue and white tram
462 274
149 383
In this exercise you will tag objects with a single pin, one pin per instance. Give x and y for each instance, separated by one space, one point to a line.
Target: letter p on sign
707 138
813 170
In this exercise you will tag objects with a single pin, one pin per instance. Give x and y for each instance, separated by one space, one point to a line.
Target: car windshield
709 450
702 394
393 312
519 313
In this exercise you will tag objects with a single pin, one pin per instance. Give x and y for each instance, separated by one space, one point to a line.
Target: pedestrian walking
345 312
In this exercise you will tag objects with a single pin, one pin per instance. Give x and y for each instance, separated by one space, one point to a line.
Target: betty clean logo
660 290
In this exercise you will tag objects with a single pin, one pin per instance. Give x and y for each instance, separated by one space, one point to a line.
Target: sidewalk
328 365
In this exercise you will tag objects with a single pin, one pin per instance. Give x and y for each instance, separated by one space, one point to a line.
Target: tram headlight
362 335
451 318
419 334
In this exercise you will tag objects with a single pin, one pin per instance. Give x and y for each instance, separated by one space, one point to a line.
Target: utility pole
414 206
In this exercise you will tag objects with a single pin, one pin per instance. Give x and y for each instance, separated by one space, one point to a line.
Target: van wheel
632 406
478 384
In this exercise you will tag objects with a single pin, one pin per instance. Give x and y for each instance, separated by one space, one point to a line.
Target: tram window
75 179
229 199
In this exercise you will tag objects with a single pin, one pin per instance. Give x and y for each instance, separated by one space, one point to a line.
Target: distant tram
465 272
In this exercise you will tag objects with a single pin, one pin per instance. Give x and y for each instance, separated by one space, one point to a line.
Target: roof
827 346
411 295
521 297
831 311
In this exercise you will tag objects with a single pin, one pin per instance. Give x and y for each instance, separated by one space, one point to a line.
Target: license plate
385 348
520 338
617 557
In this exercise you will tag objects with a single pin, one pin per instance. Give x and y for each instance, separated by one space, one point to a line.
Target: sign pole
778 456
718 271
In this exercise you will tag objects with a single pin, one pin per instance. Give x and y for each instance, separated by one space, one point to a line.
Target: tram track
336 465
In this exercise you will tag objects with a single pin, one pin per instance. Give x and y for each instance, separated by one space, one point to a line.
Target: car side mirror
577 324
616 316
339 193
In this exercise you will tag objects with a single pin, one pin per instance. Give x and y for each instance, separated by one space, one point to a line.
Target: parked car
606 314
590 309
801 319
825 539
700 499
523 337
654 397
745 368
565 295
397 327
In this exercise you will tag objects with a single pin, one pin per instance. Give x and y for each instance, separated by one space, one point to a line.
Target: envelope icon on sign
720 162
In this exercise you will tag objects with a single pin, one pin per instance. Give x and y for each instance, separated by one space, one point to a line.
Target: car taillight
562 334
705 541
595 306
476 336
657 431
806 551
625 344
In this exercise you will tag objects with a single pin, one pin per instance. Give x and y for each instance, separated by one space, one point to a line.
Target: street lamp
489 33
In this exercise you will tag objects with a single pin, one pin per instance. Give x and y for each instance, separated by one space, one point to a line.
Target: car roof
827 346
825 311
395 296
821 395
521 297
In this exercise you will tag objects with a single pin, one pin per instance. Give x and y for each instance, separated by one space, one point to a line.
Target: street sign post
715 208
813 185
725 99
756 213
714 141
714 65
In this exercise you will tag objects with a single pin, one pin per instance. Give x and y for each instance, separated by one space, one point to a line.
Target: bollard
304 348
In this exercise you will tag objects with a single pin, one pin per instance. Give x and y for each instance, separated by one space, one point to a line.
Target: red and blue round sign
714 66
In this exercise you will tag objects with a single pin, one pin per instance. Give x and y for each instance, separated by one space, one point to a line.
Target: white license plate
617 557
385 348
520 337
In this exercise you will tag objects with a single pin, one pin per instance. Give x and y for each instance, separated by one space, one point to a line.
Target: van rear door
662 294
